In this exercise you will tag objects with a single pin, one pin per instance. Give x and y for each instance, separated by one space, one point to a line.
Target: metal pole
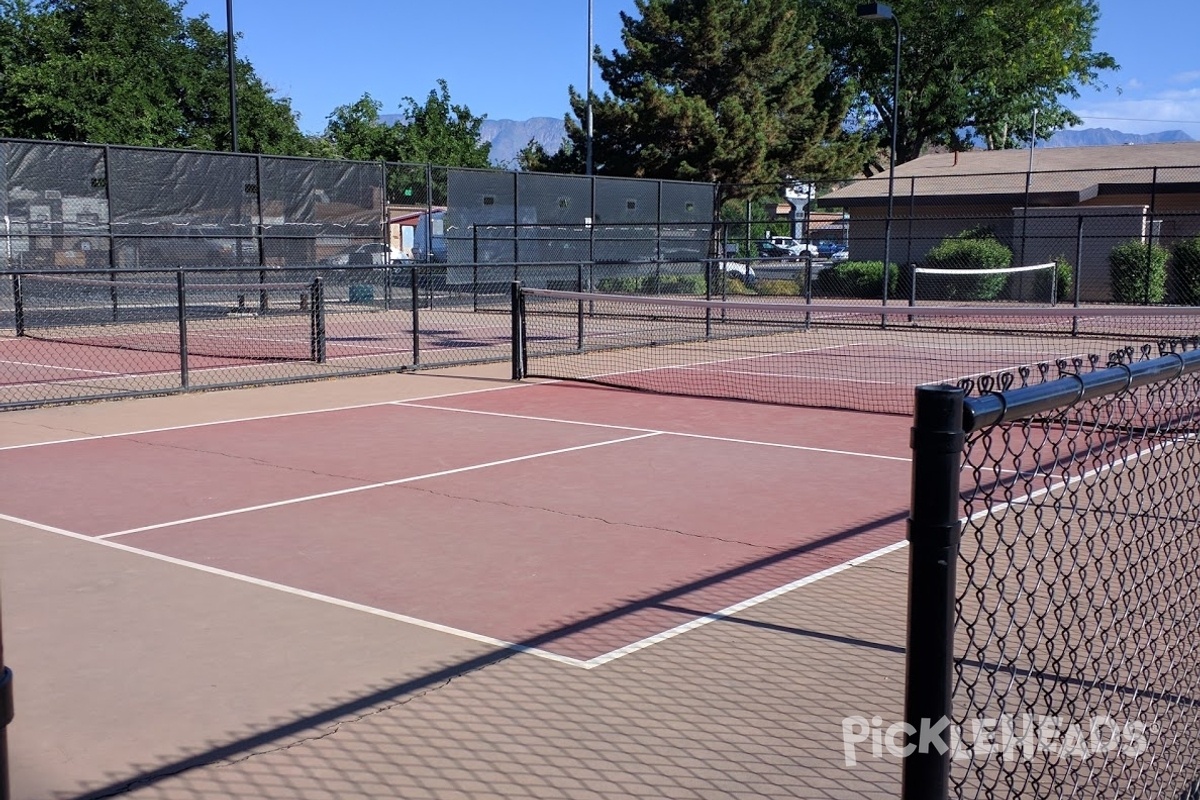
318 320
1150 236
518 331
933 536
579 307
887 230
18 305
181 302
233 128
416 314
1078 271
589 91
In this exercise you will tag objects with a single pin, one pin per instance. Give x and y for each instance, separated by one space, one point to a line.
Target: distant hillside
509 137
1093 137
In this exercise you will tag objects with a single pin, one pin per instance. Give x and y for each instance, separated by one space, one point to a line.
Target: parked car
737 269
371 253
785 247
826 248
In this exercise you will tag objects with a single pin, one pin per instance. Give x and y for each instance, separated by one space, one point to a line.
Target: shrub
856 279
673 284
1185 271
735 286
619 285
1138 272
778 288
1064 277
971 249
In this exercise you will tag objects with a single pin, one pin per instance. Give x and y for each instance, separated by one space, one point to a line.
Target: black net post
579 308
317 315
18 305
1076 274
808 288
112 294
181 308
933 535
518 330
415 310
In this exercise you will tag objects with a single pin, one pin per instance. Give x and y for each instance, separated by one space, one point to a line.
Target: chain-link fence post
933 534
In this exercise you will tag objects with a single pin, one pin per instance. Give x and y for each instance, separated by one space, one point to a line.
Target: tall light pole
232 75
589 91
879 11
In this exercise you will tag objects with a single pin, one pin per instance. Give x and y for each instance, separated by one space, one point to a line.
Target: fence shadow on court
742 711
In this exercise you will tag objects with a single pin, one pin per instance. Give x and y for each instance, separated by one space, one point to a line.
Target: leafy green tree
440 132
437 132
130 72
355 131
980 68
729 91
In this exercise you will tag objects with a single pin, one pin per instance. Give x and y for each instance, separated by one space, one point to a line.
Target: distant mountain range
1093 137
509 137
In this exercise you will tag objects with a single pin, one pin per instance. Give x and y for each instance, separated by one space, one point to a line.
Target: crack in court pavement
505 504
336 728
251 459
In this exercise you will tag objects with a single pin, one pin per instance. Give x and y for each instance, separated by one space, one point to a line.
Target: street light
589 91
879 11
232 75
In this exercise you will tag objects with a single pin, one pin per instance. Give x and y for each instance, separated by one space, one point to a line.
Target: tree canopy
436 132
132 72
730 91
966 71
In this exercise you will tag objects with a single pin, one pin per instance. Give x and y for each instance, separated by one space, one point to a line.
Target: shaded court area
434 585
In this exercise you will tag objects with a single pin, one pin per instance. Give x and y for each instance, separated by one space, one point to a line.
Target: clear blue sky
513 59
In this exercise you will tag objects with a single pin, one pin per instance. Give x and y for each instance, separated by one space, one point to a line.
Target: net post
415 310
518 332
181 307
708 276
112 294
1075 274
317 315
934 528
579 308
1054 283
262 292
808 288
18 305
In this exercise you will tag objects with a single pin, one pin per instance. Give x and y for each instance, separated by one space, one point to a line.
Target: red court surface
578 523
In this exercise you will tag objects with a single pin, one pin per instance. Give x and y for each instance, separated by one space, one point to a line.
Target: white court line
736 607
682 434
721 360
280 415
292 590
55 366
369 486
773 593
787 376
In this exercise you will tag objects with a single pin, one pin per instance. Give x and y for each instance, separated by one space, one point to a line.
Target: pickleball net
840 356
229 316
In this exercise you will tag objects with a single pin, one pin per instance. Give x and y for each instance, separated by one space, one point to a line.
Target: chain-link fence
1052 641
